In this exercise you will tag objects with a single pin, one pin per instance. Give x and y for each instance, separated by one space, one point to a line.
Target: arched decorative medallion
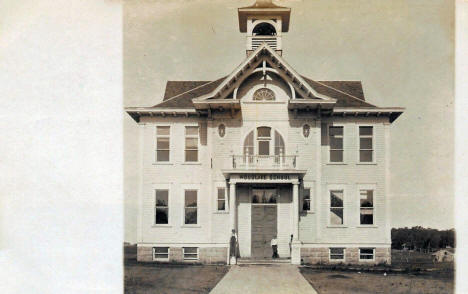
306 130
221 130
264 94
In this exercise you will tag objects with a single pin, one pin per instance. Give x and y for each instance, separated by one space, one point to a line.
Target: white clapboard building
264 151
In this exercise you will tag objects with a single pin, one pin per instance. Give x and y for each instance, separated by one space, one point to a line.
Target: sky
402 51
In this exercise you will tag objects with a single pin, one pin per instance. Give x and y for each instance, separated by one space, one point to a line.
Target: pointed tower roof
263 7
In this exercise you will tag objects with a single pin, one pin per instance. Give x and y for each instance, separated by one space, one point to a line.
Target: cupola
264 22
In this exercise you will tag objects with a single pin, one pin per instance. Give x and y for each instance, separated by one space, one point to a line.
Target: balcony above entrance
264 162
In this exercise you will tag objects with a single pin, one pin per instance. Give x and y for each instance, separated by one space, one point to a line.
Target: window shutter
203 133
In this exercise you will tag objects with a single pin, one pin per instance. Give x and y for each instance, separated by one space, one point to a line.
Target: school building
264 151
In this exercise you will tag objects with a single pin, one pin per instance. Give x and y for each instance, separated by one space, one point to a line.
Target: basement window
190 253
366 253
337 254
161 253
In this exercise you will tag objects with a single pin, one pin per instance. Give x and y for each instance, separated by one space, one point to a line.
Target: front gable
262 60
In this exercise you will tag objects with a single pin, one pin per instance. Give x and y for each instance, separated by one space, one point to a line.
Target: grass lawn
439 279
335 282
169 278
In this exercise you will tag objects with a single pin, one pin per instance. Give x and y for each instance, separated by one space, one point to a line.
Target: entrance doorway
264 221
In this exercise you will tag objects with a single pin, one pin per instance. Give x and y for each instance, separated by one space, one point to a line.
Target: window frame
336 260
226 202
339 125
156 144
359 188
158 258
191 137
162 188
374 161
311 187
373 254
185 189
191 259
338 187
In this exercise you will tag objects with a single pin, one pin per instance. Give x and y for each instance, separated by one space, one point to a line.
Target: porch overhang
288 176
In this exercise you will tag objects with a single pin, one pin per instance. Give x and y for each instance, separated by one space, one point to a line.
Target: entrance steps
258 261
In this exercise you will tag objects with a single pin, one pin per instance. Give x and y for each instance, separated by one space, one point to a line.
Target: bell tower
264 22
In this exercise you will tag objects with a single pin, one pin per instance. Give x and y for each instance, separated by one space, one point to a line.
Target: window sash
162 255
366 253
191 143
221 200
306 199
335 139
163 137
190 253
191 208
161 209
337 253
366 153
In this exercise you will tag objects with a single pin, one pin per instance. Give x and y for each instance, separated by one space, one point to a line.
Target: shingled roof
179 94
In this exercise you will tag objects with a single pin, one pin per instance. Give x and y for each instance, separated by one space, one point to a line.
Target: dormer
264 22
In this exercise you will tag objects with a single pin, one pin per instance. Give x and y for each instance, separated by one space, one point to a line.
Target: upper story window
191 144
335 136
366 150
262 142
263 94
162 143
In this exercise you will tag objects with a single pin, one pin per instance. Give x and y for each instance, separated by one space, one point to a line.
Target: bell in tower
264 22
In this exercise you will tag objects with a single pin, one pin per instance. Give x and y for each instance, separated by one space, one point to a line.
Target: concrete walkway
270 279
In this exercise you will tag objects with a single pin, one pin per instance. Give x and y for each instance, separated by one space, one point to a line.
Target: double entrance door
264 222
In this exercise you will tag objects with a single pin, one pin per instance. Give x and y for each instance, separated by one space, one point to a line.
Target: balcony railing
264 161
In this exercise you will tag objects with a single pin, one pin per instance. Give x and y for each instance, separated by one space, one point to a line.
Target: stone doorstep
248 261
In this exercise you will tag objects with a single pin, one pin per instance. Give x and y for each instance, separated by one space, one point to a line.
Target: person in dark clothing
233 244
274 247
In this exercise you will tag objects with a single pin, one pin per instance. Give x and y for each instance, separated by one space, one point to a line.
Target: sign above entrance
264 178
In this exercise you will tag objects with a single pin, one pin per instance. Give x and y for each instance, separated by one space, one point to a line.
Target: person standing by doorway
274 247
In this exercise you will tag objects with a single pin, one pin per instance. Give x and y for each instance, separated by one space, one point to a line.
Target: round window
221 130
264 94
306 130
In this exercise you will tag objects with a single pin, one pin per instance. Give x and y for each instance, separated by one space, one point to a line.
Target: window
162 207
366 253
191 144
190 253
263 138
264 94
161 253
336 143
306 199
366 199
336 207
190 215
365 144
221 200
162 143
337 254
